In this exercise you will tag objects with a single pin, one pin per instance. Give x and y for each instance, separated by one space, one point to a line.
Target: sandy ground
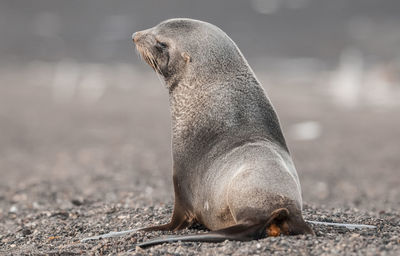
97 159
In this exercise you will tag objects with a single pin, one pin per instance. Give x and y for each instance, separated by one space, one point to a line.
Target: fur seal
232 170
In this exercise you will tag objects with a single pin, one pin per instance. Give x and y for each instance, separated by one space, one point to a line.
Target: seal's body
232 170
236 186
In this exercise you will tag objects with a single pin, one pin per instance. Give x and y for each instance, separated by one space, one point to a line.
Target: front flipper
175 224
178 221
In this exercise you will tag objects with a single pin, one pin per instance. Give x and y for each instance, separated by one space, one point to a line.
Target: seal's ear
276 223
186 57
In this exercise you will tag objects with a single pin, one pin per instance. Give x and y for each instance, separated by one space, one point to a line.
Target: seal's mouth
148 57
145 53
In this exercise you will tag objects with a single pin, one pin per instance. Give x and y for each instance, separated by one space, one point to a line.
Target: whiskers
148 57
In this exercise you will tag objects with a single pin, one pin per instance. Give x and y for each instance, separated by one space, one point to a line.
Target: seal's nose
136 36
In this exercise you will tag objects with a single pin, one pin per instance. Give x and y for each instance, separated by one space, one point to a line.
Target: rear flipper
249 230
239 232
277 224
208 237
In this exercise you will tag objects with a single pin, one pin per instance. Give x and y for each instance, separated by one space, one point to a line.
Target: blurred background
82 119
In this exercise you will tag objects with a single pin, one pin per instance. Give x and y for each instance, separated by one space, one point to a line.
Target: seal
232 170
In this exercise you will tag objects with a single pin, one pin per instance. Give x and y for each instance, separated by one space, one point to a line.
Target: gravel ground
81 166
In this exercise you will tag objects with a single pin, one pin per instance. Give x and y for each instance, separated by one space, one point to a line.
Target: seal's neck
207 114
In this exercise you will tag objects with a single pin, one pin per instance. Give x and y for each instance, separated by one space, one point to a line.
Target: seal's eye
161 45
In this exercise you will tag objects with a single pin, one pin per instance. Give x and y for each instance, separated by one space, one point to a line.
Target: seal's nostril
133 37
136 36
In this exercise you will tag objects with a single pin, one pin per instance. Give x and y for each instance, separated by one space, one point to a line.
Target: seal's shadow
199 227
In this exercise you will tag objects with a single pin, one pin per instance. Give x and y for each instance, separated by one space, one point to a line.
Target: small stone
77 201
35 205
26 232
121 217
62 214
13 209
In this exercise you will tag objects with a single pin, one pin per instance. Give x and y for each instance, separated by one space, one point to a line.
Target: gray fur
230 159
232 170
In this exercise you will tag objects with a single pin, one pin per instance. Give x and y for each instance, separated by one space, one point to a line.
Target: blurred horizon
77 105
100 30
350 49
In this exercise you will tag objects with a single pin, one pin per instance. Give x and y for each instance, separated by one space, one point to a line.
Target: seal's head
181 49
